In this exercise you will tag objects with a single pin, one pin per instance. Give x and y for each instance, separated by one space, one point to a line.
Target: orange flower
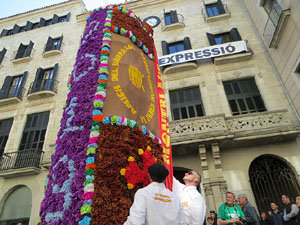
98 117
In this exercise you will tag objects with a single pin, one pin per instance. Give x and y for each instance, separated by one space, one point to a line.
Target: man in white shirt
193 204
155 204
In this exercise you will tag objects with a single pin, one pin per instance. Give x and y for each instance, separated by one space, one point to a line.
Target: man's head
274 206
192 178
230 198
298 201
263 216
210 220
242 199
285 199
158 172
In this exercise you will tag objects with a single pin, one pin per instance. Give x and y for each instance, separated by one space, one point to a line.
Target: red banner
163 123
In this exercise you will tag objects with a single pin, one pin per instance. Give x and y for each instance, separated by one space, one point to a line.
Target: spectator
264 219
298 204
193 204
275 214
213 215
155 204
210 220
248 210
290 211
229 212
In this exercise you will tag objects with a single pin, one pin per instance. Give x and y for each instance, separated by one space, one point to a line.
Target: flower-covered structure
113 127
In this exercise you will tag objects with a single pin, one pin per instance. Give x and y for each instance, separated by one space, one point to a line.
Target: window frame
187 104
244 99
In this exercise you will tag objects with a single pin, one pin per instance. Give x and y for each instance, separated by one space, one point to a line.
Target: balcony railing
21 159
174 25
14 91
249 126
43 85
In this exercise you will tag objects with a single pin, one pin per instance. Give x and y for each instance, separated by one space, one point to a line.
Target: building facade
230 117
38 49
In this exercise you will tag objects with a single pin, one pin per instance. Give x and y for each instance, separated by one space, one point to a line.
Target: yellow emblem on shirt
185 204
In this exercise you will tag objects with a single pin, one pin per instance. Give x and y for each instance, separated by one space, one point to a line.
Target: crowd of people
156 205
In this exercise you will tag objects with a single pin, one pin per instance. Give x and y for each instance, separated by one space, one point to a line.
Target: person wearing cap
213 215
193 204
155 204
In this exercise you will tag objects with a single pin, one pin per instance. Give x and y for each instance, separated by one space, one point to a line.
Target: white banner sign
203 53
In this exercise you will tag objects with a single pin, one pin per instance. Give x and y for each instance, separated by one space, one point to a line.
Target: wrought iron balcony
20 162
12 95
42 88
179 23
263 125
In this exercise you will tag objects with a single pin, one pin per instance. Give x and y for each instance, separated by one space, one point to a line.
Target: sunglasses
190 173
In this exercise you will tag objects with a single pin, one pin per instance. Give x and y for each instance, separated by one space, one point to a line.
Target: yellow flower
149 148
130 159
122 171
141 151
130 186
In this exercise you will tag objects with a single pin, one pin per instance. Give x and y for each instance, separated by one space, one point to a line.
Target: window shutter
164 46
220 7
55 71
68 16
235 35
42 22
24 77
2 54
4 33
211 39
49 45
174 16
55 19
7 83
61 39
21 50
39 75
16 29
28 26
29 49
187 43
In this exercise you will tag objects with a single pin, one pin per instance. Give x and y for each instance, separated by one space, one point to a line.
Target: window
34 132
13 86
2 54
215 9
35 26
186 103
171 17
243 97
63 19
216 39
44 80
48 22
5 126
170 48
24 50
298 69
53 43
273 9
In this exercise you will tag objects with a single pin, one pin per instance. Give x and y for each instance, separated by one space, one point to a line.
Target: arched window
16 207
270 177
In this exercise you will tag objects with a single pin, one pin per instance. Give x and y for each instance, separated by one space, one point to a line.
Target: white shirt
155 205
193 204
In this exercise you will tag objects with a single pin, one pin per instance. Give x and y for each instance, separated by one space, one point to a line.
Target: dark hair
158 172
228 192
287 196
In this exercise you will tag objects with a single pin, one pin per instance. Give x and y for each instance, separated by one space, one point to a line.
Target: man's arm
250 214
177 186
137 213
225 222
292 214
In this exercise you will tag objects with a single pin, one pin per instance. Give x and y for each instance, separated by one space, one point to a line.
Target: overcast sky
12 7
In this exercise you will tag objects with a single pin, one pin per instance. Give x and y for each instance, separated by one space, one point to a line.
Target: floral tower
113 127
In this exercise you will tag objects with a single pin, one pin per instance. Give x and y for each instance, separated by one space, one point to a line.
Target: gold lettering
114 74
166 139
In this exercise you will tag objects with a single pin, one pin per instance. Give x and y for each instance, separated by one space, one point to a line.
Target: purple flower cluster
62 202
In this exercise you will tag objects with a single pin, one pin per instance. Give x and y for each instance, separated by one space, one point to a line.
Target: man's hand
236 220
